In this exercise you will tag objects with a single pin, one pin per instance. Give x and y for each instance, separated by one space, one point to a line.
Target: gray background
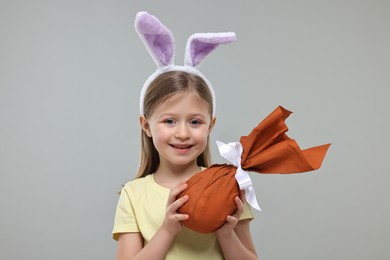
71 72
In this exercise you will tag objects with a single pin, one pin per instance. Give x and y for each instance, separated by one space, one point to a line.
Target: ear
212 123
199 45
145 126
157 38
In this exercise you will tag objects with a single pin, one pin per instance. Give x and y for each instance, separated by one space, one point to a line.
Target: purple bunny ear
157 38
199 45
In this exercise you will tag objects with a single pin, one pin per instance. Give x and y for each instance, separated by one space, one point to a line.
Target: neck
171 175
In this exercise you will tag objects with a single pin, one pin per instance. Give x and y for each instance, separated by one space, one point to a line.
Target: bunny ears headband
160 43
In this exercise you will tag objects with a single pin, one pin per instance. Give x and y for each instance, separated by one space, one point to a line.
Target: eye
169 121
195 122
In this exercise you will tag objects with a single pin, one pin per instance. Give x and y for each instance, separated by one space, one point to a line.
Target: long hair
160 89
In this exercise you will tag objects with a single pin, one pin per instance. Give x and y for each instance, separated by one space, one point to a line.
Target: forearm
130 246
233 248
157 248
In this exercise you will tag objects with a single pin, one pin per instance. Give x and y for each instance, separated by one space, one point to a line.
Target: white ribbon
232 152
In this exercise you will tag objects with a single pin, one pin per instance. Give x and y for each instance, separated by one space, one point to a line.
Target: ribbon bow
232 152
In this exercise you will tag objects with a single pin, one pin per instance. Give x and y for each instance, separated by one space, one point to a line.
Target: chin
184 162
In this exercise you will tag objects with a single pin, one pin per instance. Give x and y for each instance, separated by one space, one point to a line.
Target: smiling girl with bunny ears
177 106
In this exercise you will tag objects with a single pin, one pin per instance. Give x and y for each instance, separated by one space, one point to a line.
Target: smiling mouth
181 146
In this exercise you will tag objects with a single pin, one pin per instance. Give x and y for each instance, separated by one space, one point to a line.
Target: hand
232 220
172 221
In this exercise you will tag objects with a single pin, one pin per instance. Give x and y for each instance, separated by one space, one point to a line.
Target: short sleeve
247 214
125 220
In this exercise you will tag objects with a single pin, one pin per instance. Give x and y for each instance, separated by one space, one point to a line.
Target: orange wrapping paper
267 149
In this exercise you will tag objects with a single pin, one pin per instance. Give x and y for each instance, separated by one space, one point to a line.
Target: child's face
179 128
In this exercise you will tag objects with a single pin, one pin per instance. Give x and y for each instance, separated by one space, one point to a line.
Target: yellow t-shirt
141 208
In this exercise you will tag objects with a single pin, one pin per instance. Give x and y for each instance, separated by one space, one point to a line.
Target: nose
182 131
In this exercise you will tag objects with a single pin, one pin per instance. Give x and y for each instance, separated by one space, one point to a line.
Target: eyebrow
175 115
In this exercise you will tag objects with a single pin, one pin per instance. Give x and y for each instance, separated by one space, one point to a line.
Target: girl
177 116
176 125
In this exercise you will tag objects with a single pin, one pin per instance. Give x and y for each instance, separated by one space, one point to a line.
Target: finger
180 217
239 206
231 221
177 204
176 191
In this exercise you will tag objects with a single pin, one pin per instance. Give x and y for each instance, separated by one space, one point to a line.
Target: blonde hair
160 89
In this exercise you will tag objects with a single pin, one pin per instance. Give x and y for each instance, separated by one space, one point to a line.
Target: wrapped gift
267 150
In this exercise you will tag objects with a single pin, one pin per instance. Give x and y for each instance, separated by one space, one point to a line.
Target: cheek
160 133
202 136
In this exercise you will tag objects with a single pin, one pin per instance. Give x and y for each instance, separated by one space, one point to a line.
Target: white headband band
160 43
